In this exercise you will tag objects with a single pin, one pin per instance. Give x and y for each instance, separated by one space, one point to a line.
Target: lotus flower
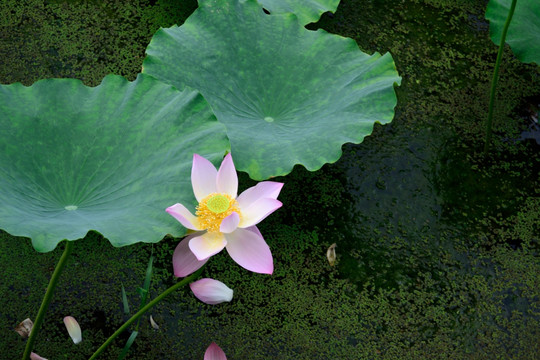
214 352
223 220
211 291
73 329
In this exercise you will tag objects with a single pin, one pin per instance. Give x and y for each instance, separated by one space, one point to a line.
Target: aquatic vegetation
524 38
306 11
76 158
275 85
523 35
248 249
143 293
489 119
82 159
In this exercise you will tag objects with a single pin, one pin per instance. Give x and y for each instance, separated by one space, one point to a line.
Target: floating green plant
524 34
111 158
287 95
495 78
523 37
306 11
108 158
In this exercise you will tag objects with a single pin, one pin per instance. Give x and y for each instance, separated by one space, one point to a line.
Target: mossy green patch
80 39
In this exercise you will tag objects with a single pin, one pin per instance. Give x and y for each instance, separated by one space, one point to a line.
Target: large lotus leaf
287 95
524 31
307 11
109 158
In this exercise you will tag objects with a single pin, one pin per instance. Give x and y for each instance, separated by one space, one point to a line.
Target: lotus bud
24 328
331 254
214 352
211 291
73 328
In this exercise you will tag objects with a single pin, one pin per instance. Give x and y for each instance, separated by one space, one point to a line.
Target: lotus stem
47 299
496 77
148 306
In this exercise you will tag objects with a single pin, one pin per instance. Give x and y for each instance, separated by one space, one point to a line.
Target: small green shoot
143 292
146 285
130 341
125 301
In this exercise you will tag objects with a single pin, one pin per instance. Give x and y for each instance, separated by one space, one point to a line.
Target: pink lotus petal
182 214
227 180
230 223
254 229
258 211
203 177
34 356
211 291
214 352
250 251
207 244
184 261
73 328
265 189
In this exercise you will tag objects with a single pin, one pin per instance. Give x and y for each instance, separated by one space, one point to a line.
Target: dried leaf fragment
24 328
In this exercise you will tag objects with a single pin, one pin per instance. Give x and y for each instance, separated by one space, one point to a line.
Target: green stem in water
47 299
148 306
496 77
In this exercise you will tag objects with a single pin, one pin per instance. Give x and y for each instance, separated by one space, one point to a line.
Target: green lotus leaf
307 11
109 158
524 31
287 95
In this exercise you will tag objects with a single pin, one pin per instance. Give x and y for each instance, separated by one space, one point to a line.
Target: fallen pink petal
73 328
34 356
224 220
211 291
214 352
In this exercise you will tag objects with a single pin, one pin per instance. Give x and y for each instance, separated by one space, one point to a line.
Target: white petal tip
153 323
73 328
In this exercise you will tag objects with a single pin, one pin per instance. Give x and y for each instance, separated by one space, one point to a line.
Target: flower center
218 204
213 209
